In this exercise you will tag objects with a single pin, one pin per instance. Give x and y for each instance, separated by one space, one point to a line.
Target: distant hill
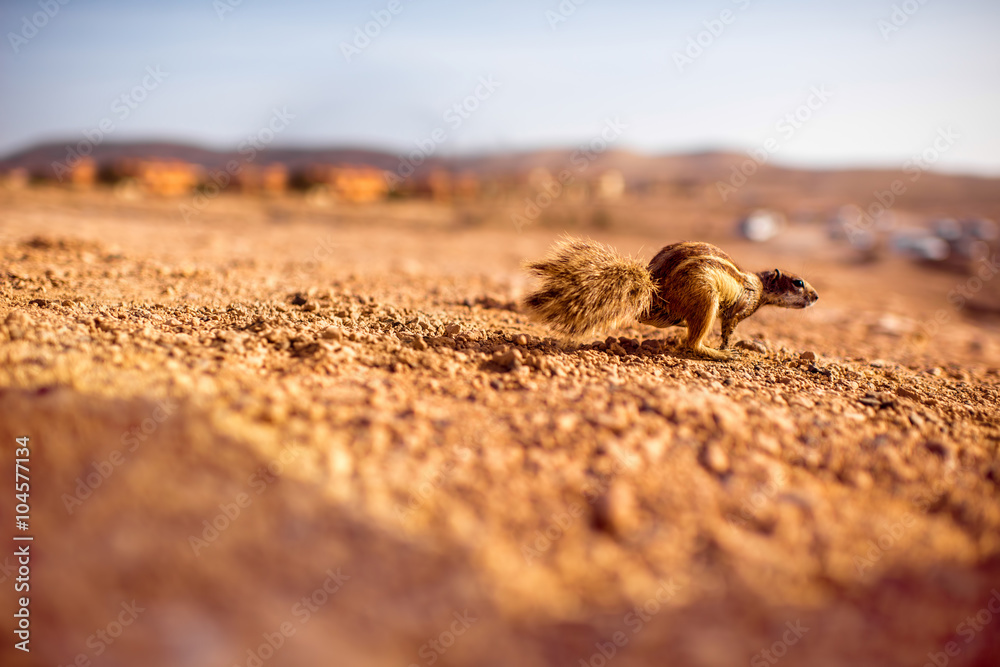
960 194
43 155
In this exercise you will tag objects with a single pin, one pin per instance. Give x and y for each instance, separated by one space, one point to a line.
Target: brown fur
587 286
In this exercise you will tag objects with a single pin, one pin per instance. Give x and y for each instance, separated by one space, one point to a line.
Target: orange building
271 180
167 178
83 174
352 184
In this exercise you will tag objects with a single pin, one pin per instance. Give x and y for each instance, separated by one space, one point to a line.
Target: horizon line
794 165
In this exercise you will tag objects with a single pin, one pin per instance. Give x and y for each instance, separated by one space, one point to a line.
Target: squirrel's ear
777 274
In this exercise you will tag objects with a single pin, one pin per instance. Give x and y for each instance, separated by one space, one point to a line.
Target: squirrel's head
786 290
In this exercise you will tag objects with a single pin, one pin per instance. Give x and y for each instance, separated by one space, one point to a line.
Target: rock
861 479
939 449
813 368
615 511
452 330
20 318
566 422
769 444
892 325
509 360
715 459
878 400
18 323
332 333
906 392
521 340
808 355
752 345
299 299
651 346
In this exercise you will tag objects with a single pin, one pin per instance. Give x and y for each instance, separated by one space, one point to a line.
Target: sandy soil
280 435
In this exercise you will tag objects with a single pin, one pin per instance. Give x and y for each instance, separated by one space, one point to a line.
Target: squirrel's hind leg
699 327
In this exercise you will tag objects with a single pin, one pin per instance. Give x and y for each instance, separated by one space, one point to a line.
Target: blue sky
225 73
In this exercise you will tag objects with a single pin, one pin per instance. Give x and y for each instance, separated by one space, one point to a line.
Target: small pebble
615 511
715 459
333 333
752 345
938 449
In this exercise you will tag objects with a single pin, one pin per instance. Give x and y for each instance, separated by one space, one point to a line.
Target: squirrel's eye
798 283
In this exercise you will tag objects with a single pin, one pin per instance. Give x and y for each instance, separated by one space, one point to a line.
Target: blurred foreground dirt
279 437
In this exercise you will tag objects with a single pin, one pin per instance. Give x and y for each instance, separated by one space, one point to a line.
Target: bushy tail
587 287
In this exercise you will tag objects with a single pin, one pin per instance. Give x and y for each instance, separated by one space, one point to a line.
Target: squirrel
587 286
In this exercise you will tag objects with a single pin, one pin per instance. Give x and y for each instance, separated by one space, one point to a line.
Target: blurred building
164 178
351 184
441 186
609 185
255 179
761 225
15 179
81 174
